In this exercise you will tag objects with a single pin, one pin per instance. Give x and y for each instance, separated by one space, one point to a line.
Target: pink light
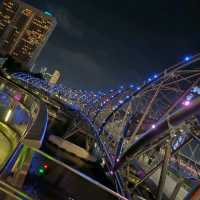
17 97
186 103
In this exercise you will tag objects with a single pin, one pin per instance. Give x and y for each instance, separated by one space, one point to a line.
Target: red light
45 166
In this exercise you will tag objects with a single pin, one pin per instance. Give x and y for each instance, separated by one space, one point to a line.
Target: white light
153 126
121 101
155 76
187 58
103 162
8 115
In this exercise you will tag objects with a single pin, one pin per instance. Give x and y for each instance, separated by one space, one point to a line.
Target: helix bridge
146 136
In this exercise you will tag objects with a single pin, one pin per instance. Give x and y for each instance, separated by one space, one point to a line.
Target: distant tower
24 30
51 78
54 77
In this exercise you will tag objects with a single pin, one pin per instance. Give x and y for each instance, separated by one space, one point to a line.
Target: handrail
9 193
14 190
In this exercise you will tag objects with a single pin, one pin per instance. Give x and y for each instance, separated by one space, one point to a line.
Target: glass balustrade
18 110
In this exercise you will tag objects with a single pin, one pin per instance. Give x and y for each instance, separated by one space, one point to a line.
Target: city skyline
127 42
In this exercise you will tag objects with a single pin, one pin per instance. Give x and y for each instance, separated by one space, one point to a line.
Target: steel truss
143 130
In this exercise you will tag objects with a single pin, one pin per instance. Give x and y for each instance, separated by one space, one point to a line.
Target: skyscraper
24 30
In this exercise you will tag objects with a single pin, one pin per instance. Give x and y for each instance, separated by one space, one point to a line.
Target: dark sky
107 43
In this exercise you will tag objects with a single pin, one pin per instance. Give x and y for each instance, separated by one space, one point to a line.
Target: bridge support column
176 189
163 174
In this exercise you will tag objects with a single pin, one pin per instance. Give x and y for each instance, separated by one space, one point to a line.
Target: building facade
24 30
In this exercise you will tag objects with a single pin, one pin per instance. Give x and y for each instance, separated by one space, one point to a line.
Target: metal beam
177 189
164 172
160 131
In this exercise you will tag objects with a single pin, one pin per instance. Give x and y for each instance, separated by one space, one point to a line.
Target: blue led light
187 58
155 76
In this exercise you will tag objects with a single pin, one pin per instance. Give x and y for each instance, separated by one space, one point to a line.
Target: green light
41 171
47 13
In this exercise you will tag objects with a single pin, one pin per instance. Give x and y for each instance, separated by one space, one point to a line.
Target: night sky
106 43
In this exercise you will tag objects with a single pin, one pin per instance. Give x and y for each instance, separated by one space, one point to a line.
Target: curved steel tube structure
133 125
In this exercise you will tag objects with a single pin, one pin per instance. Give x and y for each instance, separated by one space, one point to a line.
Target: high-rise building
24 30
